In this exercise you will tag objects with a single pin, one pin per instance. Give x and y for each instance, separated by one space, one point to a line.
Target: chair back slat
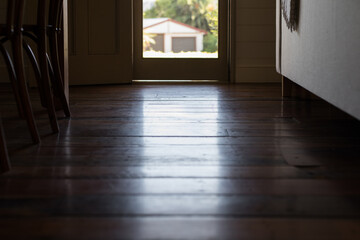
52 13
18 15
14 16
59 13
10 16
55 11
41 14
10 12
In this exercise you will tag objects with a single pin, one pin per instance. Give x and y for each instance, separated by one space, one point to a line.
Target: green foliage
196 13
201 14
210 43
213 20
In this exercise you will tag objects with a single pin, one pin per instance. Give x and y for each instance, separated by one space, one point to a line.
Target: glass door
181 40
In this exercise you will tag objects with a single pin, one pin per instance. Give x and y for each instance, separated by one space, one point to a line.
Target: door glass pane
180 28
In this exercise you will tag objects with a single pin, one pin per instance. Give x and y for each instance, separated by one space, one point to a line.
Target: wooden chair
47 64
11 32
4 158
56 40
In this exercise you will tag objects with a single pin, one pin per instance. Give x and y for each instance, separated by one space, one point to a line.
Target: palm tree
198 10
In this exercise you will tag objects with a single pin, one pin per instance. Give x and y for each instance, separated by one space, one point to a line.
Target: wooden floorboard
182 161
179 228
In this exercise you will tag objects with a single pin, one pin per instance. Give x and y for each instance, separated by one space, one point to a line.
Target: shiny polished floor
183 161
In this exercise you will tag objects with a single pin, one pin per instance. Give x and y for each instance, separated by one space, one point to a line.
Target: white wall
324 55
171 29
255 41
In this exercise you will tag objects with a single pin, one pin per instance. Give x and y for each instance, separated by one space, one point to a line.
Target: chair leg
12 75
36 68
58 83
22 87
45 80
4 158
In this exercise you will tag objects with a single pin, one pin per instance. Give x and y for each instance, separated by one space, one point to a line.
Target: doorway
181 40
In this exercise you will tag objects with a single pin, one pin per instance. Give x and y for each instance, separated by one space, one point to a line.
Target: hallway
183 161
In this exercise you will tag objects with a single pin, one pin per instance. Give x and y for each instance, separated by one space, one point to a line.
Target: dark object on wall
290 11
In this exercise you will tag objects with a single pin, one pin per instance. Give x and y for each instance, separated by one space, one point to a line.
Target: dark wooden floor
183 162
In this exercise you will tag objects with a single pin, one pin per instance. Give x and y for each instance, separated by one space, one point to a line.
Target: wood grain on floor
182 161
